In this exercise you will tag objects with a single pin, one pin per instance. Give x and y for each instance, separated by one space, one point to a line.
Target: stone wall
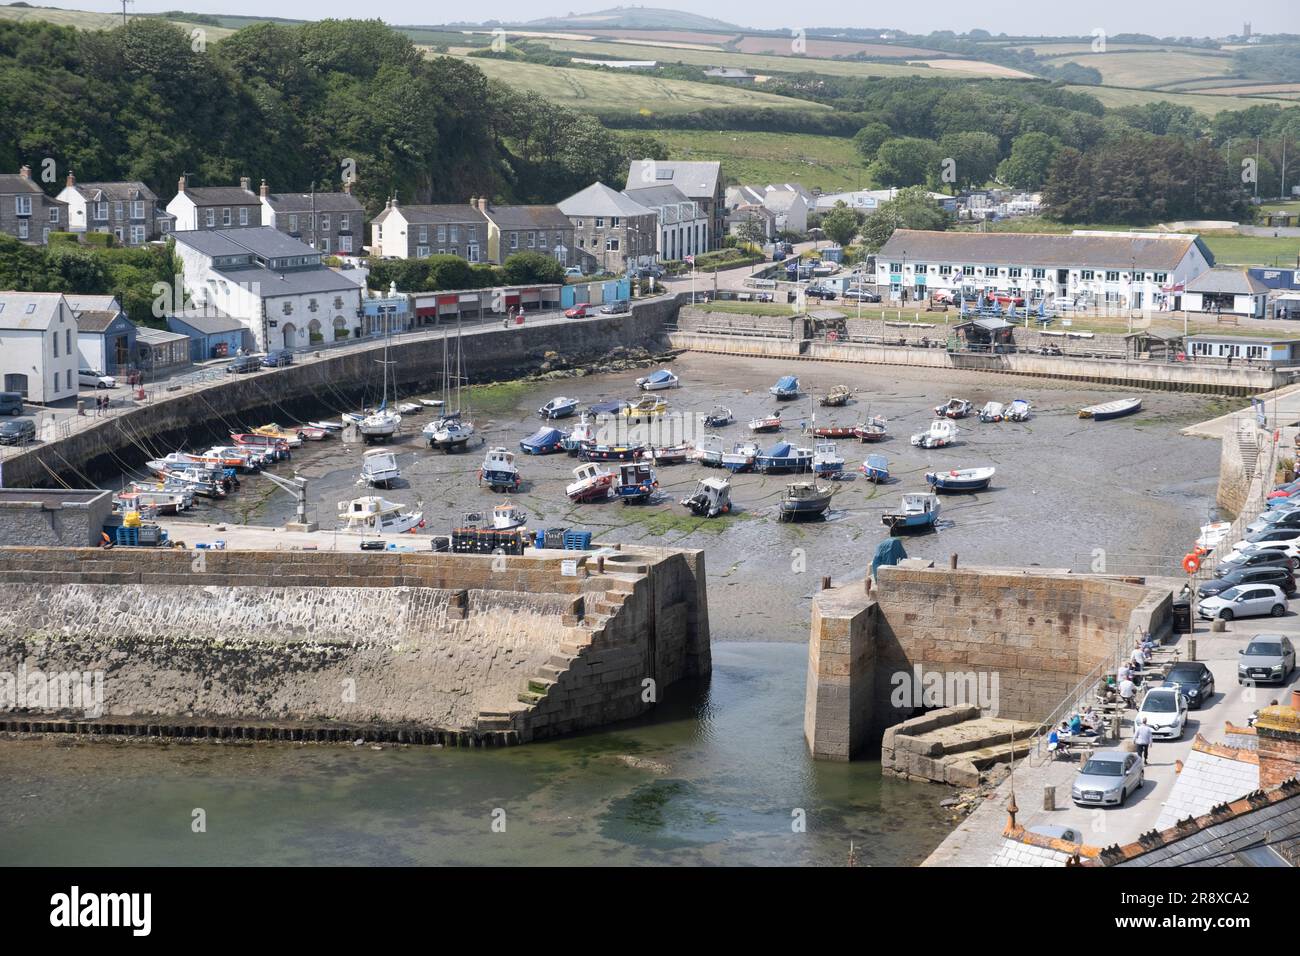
694 319
53 517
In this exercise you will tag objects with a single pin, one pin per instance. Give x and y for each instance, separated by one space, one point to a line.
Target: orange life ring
1191 564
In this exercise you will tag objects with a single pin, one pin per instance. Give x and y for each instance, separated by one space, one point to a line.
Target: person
1076 725
1092 723
1055 745
1125 672
1142 737
1127 692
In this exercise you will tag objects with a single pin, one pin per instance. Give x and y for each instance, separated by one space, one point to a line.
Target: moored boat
953 408
786 388
591 483
544 441
670 454
599 452
872 430
834 431
960 479
498 471
583 433
837 397
151 502
992 412
708 450
741 457
507 516
636 483
380 425
1108 410
805 499
379 468
1018 411
767 423
291 437
559 407
938 435
919 512
449 432
643 409
826 460
719 417
712 497
876 468
378 515
784 457
658 380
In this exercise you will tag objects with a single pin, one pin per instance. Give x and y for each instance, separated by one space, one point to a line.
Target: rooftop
222 196
120 192
699 180
1212 774
429 215
528 217
1227 281
266 242
599 200
25 311
1050 250
321 202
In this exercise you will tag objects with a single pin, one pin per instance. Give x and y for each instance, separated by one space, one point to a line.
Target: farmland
86 20
1206 103
828 162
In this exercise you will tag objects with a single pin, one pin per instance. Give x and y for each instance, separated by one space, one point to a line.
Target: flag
690 259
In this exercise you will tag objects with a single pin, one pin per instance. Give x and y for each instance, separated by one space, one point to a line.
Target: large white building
38 346
1130 270
273 283
683 227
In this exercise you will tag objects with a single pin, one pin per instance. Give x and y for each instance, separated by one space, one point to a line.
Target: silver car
1108 778
1268 657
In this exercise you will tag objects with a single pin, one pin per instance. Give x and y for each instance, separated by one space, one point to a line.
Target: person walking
1142 737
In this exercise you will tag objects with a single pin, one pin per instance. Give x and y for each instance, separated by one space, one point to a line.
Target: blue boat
787 387
741 457
595 452
605 408
499 472
920 512
636 483
545 441
784 457
960 479
876 468
558 408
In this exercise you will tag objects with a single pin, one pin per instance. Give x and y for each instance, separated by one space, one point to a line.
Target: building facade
38 346
1225 291
539 228
26 213
105 336
215 207
415 232
128 211
332 223
683 226
612 231
698 181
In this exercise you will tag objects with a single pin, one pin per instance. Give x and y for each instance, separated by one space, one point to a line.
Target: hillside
642 18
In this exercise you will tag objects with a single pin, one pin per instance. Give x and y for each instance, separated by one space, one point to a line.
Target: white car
1244 600
95 379
1282 549
1266 536
1165 710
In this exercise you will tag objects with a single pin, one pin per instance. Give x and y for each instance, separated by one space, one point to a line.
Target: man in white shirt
1127 691
1142 737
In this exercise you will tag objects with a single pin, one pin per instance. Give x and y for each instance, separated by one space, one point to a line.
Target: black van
245 363
11 403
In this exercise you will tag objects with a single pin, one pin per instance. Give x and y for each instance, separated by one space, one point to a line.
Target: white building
215 207
683 226
867 201
273 283
1227 291
38 346
1131 270
790 203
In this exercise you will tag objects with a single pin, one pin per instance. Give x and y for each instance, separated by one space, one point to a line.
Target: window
471 252
119 210
1014 272
243 215
56 344
921 268
137 235
600 222
325 244
514 240
137 209
1086 275
211 216
422 251
541 240
293 223
345 244
612 243
990 270
22 228
1112 276
968 270
424 234
945 270
579 223
67 340
225 217
164 226
895 267
442 234
1039 274
343 223
22 205
1162 277
613 222
454 235
325 223
312 305
338 302
54 214
287 308
532 240
69 377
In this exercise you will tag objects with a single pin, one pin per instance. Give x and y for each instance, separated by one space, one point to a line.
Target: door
290 335
1258 601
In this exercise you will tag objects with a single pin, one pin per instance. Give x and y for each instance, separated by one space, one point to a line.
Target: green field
84 20
828 162
1205 103
1231 249
1145 69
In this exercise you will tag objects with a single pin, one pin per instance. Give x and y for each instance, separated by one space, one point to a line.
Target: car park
243 364
1165 711
1267 536
1288 551
1278 574
93 378
1108 778
1244 600
1268 657
11 403
17 431
277 358
580 311
824 293
1193 680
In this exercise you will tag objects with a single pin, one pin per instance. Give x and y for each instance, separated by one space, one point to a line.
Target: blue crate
577 541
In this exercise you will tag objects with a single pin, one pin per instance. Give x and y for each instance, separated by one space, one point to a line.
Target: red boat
835 431
872 430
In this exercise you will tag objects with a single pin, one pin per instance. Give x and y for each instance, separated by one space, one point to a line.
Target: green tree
869 139
841 224
911 208
522 268
1030 160
974 158
906 161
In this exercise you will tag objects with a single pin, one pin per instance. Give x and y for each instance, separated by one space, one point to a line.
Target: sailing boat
450 430
382 424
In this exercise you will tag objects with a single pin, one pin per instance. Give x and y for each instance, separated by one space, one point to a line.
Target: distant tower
1245 29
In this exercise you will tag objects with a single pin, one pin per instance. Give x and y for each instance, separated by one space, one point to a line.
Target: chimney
473 200
1278 734
347 188
245 184
265 190
72 180
482 203
25 172
180 185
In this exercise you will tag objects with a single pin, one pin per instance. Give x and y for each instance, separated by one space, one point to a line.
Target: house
274 284
699 181
105 336
732 74
26 213
867 201
157 350
739 217
791 203
329 222
1225 290
414 232
1132 270
215 207
128 211
683 227
610 229
1243 348
212 333
539 228
38 346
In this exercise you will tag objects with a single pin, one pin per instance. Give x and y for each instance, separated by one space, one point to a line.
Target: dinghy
1018 411
658 380
960 479
805 499
953 408
786 388
559 407
837 397
719 417
992 412
1108 410
919 512
876 468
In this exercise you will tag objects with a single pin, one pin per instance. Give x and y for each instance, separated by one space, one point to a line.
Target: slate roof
528 217
599 200
698 180
15 306
1212 774
13 183
430 215
1228 282
222 196
91 321
92 303
208 321
650 196
152 336
1050 250
265 241
324 202
290 282
119 192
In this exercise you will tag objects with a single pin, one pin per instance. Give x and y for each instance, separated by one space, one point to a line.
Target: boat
1212 534
712 497
1018 411
208 482
448 432
314 432
507 516
719 417
992 412
325 426
805 499
741 457
953 408
379 515
939 434
1108 410
826 461
872 430
769 423
292 438
876 468
636 483
408 408
156 501
559 407
379 468
499 471
708 450
276 448
786 388
432 402
583 433
670 454
544 441
178 488
380 425
833 431
591 483
643 409
919 512
960 479
658 380
784 457
600 452
596 409
837 397
240 457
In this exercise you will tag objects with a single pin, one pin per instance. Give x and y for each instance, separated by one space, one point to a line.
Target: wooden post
1049 798
952 562
1191 648
826 581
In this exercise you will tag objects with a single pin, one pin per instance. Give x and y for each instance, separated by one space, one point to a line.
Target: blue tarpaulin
890 551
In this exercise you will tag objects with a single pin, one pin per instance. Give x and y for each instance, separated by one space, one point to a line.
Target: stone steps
986 757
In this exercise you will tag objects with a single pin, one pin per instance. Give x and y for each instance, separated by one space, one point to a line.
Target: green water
719 775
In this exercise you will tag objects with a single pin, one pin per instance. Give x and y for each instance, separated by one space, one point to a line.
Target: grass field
1205 103
600 90
85 20
828 162
1145 69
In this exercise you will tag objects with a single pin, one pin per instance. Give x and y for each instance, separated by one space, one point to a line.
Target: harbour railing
1082 695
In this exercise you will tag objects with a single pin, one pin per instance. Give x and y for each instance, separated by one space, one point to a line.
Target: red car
579 311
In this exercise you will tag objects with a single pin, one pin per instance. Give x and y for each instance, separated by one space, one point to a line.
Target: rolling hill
642 18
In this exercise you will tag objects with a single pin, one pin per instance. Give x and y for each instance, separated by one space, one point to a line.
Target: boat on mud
805 499
826 460
953 408
834 431
449 432
590 483
939 435
741 457
719 417
544 441
636 483
712 497
1109 410
960 479
498 471
765 423
872 430
708 450
1018 411
786 388
992 412
876 469
671 454
658 380
784 457
597 452
559 407
643 409
837 397
379 468
919 512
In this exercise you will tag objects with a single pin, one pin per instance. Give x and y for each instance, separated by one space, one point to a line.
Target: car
1252 559
820 292
277 358
580 311
17 431
1165 711
1108 778
1194 681
11 403
1278 518
1268 657
653 270
244 363
95 378
861 295
613 308
1288 551
1265 574
1267 536
1244 600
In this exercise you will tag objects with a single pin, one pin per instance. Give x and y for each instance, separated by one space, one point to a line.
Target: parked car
861 295
1267 558
1165 711
1245 600
1268 657
1288 551
277 358
1280 518
1194 681
93 378
1108 778
244 363
17 431
11 403
1266 574
1267 536
613 308
644 272
815 291
580 311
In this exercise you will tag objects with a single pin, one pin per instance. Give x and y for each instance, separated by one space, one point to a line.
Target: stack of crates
577 541
487 541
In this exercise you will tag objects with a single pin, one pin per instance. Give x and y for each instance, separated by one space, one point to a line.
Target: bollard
600 564
952 562
1049 798
1218 625
1191 648
826 581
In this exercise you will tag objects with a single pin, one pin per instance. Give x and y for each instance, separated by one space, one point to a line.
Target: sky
1016 17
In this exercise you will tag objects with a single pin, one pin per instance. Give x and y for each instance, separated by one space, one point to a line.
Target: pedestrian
1127 692
1142 737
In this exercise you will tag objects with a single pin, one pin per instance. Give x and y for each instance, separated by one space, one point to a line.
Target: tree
1031 158
868 140
906 161
523 268
974 158
841 224
912 208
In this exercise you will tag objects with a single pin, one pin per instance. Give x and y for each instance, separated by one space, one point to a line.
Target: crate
577 541
554 538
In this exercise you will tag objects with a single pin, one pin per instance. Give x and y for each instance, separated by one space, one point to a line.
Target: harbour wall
1038 633
476 649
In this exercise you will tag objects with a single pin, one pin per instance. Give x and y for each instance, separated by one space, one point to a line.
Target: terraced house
414 232
333 223
541 228
215 207
26 213
128 211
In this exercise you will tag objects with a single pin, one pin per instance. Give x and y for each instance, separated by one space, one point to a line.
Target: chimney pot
180 185
25 172
72 180
245 184
265 190
482 203
347 188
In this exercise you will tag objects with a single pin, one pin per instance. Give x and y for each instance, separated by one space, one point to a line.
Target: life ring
1191 564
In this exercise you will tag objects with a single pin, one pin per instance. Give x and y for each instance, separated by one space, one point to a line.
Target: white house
273 283
215 207
38 346
1226 290
683 226
128 211
1131 270
867 201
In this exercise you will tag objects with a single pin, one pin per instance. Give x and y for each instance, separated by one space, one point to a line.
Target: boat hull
951 486
785 464
1113 410
501 480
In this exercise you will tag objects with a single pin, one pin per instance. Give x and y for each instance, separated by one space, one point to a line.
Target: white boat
431 402
712 497
581 434
379 426
741 457
379 468
1109 410
992 412
408 408
953 408
375 514
499 470
558 407
327 426
1213 534
657 380
507 516
1018 411
708 450
940 433
448 432
591 483
826 461
155 500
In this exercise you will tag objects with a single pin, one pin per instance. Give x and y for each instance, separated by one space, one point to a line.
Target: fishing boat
636 483
498 471
786 388
210 483
826 461
960 479
919 512
154 501
591 483
992 412
938 435
559 407
784 457
1108 410
242 458
833 431
805 499
379 468
671 454
768 423
719 417
583 433
741 457
953 408
876 468
275 448
658 380
291 437
837 397
180 489
708 450
449 432
872 430
1018 411
643 409
602 452
507 516
596 409
544 441
378 515
712 497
